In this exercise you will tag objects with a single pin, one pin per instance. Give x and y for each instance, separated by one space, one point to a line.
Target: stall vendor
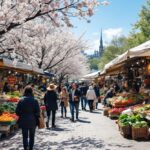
6 88
109 94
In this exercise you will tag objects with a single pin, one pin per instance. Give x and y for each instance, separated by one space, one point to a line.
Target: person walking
74 97
64 96
83 90
50 101
91 96
97 92
28 111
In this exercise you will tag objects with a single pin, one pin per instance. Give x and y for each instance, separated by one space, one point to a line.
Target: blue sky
115 19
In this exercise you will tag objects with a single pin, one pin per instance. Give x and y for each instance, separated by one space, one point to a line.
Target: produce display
14 94
7 107
116 111
8 117
136 121
11 96
13 99
143 109
125 100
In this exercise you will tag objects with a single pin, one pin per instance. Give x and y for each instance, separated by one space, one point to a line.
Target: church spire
101 48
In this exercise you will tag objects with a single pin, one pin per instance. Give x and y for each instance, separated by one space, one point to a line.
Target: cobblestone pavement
92 132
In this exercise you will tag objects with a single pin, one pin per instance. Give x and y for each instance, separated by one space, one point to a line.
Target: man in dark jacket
74 99
28 111
50 100
83 90
109 94
97 92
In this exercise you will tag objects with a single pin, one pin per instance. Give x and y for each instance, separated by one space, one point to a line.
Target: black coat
97 91
28 111
83 90
50 100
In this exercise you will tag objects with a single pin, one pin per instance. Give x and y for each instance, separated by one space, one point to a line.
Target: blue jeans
28 134
91 105
63 108
83 102
74 105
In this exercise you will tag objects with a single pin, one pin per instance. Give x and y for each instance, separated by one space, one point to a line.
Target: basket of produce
124 126
133 125
140 130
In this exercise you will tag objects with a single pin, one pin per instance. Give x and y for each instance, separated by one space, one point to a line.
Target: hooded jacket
90 95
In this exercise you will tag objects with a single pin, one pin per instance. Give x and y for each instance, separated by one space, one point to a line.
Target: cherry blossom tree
74 68
14 13
45 47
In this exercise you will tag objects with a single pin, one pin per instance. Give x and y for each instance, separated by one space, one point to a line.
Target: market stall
13 77
91 76
131 107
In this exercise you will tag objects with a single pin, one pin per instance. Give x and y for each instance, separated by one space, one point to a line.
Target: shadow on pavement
83 121
59 129
96 112
120 145
78 144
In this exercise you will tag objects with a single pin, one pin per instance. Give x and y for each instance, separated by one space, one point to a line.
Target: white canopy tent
91 75
117 60
142 50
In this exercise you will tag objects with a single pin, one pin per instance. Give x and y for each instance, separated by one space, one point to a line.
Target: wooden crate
125 131
106 111
140 133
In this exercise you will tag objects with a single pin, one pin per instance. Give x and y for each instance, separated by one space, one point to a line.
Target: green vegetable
8 107
140 124
136 121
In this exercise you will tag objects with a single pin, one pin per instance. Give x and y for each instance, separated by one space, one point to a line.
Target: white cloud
94 45
110 33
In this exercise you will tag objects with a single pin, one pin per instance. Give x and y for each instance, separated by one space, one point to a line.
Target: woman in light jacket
91 96
64 97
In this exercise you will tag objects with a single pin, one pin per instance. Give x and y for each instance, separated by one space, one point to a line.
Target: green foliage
143 24
139 34
141 30
93 63
115 48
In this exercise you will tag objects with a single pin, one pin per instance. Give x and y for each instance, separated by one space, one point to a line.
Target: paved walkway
92 132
